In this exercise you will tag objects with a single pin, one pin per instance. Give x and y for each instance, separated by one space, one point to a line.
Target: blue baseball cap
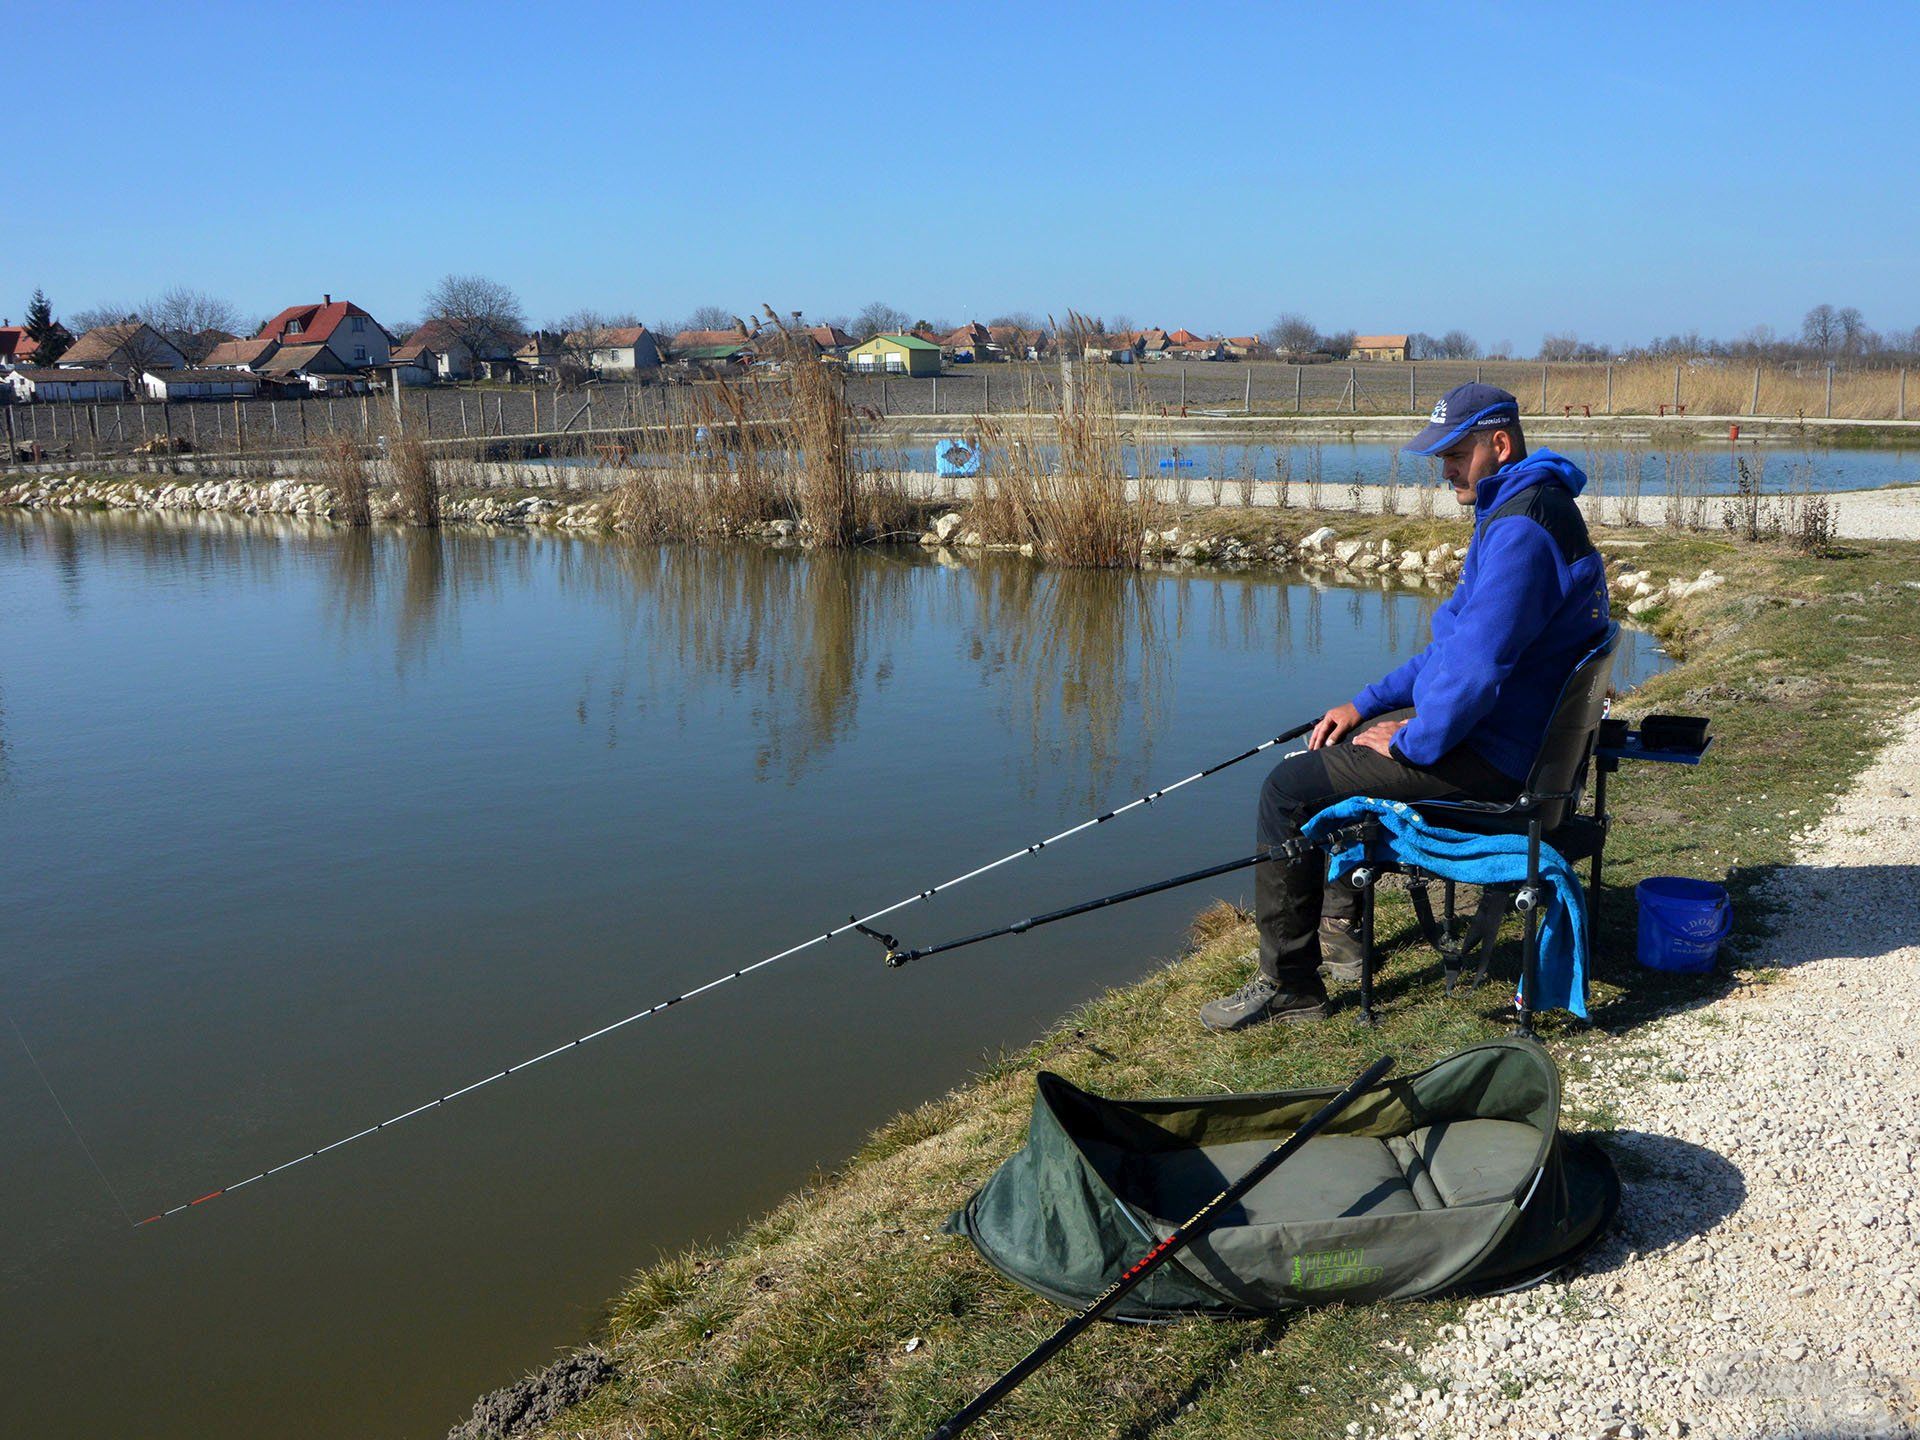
1465 408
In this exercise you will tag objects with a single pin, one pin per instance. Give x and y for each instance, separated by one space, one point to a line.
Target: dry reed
1082 508
345 473
419 487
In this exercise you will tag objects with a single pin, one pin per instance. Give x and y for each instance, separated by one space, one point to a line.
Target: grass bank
845 1311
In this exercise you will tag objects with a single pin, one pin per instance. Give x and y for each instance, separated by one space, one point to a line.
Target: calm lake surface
305 828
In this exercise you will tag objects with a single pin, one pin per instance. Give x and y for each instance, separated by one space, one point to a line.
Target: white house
354 336
127 347
442 353
203 384
46 385
625 347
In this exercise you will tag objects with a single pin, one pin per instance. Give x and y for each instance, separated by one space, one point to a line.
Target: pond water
306 828
1612 468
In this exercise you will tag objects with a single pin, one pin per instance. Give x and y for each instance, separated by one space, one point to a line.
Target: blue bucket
1682 923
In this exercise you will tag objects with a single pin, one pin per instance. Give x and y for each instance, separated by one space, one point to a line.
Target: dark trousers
1288 902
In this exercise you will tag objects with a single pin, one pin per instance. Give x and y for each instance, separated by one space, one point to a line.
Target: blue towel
1561 981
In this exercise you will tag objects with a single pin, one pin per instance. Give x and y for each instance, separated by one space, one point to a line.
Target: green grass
800 1327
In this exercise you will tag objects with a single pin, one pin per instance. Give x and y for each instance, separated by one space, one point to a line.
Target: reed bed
419 487
345 473
1078 507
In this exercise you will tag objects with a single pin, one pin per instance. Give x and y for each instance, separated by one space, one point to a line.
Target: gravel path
1764 1280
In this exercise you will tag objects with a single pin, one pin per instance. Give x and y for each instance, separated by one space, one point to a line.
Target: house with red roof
353 335
16 346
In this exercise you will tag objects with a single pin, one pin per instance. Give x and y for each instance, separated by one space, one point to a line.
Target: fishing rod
1202 1221
1287 851
859 922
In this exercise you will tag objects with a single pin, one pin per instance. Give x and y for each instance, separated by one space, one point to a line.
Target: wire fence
529 420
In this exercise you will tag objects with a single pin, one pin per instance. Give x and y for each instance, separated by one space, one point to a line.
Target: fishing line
852 924
85 1148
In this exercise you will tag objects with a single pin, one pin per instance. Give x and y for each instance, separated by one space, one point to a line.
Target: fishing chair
1545 811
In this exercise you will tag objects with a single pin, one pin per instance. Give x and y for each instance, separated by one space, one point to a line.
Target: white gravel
1764 1280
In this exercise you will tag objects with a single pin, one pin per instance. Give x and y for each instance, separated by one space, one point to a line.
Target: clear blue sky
1616 170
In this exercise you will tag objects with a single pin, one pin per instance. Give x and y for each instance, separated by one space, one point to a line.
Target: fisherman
1460 720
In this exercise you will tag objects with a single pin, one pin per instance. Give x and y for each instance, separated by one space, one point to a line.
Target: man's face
1468 461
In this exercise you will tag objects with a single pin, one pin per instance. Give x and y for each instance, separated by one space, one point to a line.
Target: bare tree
1560 347
93 317
1852 326
1821 328
482 314
183 313
1121 323
582 333
1339 344
1291 334
879 318
713 317
1458 345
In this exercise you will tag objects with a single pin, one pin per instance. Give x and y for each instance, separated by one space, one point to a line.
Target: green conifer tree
44 330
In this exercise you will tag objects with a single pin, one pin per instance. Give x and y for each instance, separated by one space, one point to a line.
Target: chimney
326 299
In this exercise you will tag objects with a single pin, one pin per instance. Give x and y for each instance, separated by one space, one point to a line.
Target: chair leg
1530 923
1366 877
1366 948
1484 931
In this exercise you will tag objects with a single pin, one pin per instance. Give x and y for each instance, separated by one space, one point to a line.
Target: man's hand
1333 726
1379 737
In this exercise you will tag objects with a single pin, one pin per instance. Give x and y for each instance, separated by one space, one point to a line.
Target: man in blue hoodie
1462 719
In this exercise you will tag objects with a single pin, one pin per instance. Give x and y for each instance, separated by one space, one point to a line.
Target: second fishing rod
861 923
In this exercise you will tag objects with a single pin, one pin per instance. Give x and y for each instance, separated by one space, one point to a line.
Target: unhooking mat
1457 1178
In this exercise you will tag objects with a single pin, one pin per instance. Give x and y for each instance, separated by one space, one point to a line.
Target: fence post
12 444
1246 403
1183 386
1297 371
1353 390
936 394
1543 389
1829 390
1413 388
883 391
399 417
1903 392
986 401
301 406
1609 387
1753 406
193 429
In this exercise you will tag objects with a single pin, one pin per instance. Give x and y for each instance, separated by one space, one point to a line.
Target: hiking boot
1258 1001
1340 950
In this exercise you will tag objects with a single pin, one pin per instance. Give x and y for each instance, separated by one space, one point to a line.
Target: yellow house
1379 347
896 355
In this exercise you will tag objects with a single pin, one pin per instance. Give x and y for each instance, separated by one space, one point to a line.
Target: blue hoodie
1532 600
